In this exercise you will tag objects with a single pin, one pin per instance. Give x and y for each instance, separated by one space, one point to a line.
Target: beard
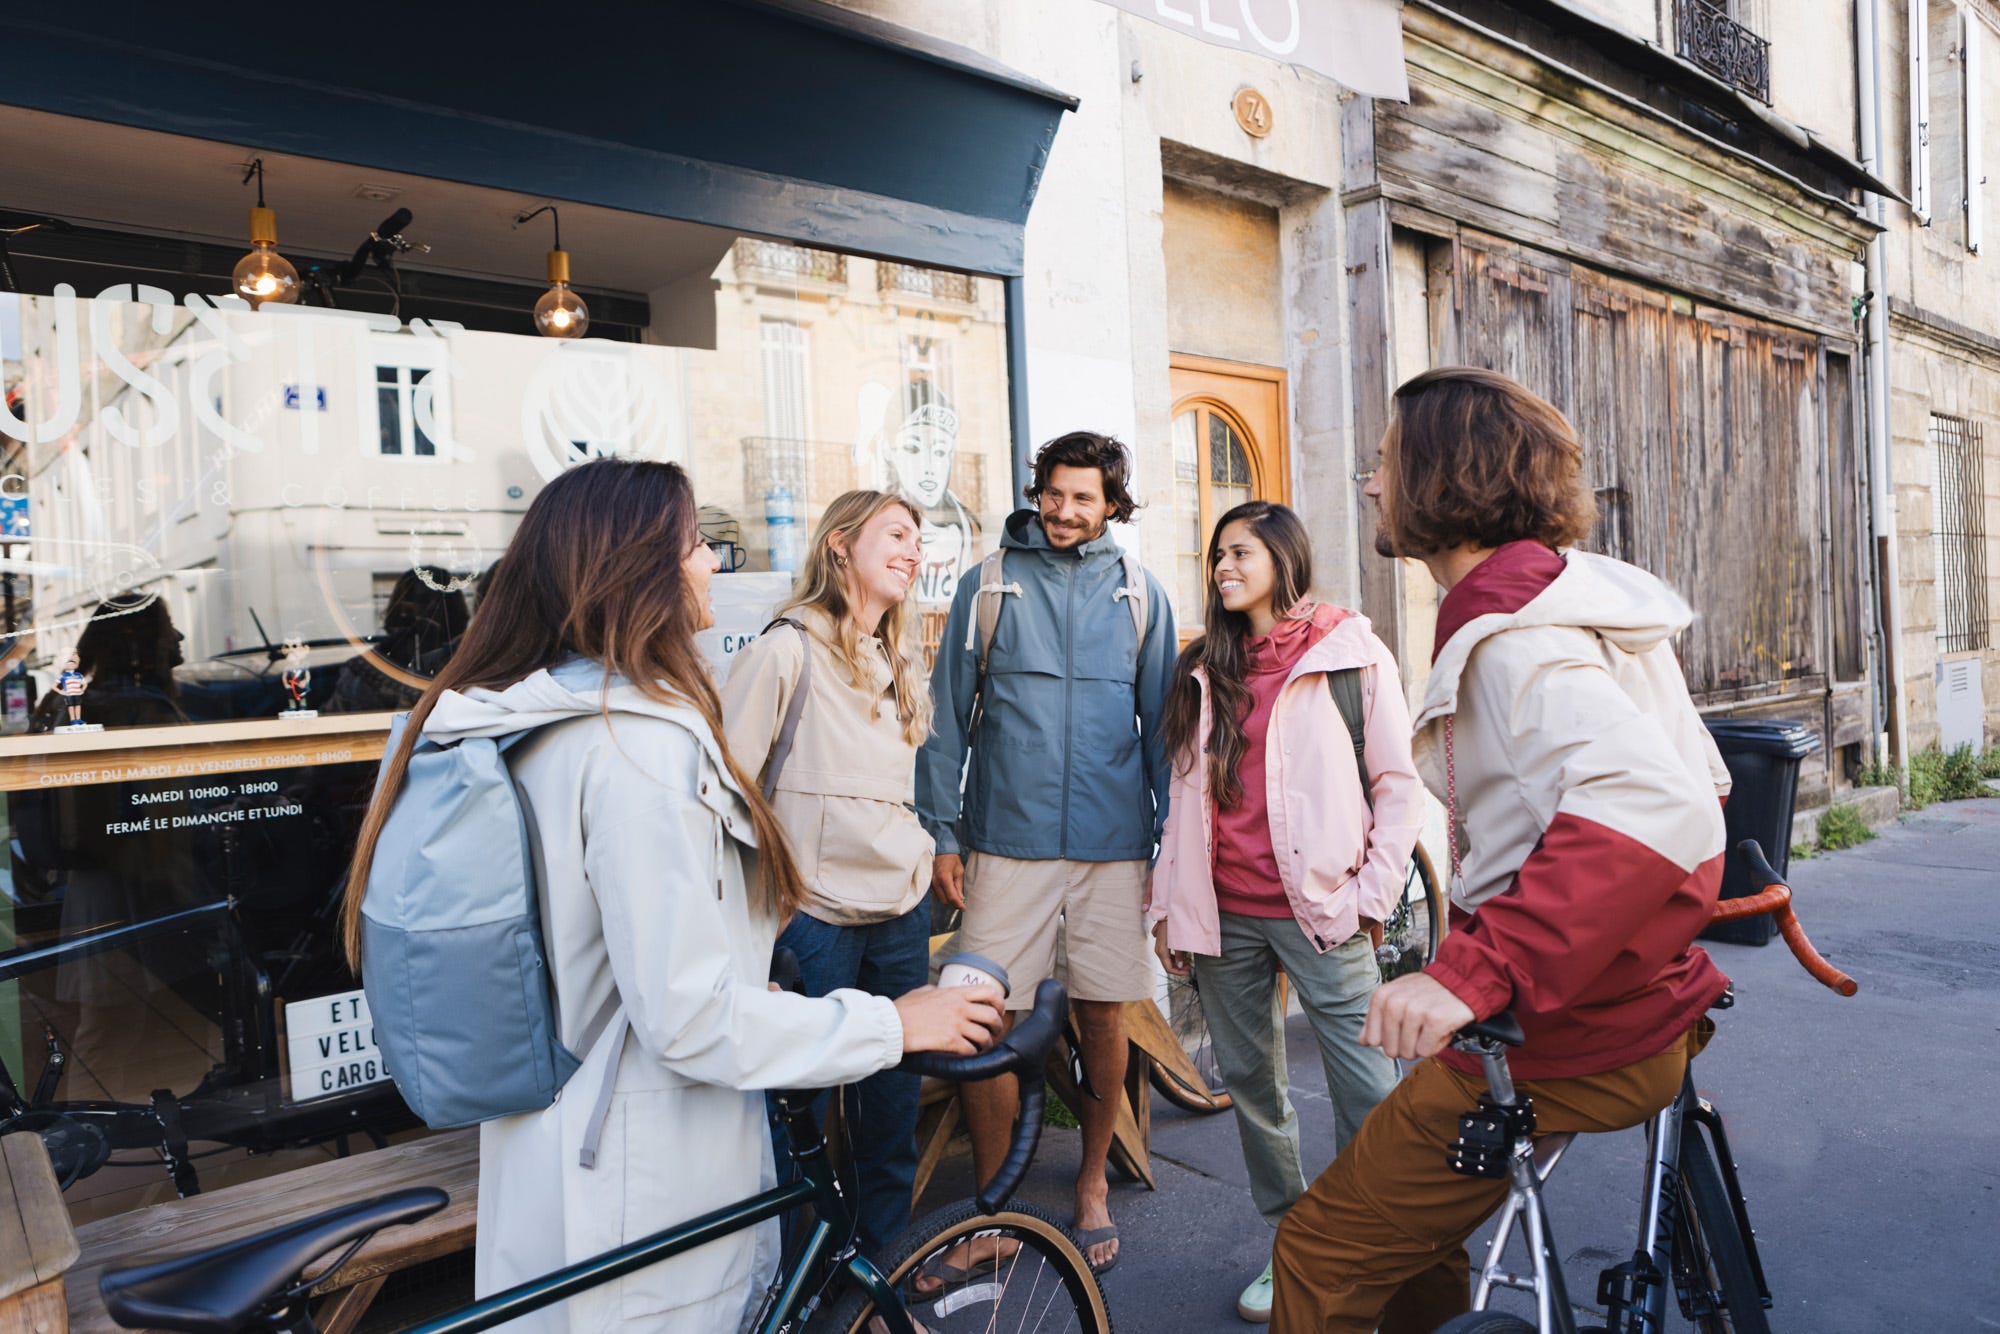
1384 545
1064 538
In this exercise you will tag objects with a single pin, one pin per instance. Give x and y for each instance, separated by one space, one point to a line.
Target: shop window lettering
211 339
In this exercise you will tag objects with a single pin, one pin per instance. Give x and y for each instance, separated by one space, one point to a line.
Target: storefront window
232 540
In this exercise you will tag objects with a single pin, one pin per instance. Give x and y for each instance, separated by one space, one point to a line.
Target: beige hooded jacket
845 793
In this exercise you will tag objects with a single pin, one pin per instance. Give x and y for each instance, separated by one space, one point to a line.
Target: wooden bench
37 1244
449 1161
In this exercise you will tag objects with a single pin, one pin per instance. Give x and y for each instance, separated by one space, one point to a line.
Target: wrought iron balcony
766 261
915 280
1725 48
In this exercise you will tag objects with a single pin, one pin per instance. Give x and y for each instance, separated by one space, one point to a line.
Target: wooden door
1229 446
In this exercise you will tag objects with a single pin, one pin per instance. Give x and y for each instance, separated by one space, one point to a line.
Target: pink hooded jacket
1339 860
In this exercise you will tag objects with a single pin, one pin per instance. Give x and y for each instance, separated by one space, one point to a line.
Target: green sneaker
1255 1303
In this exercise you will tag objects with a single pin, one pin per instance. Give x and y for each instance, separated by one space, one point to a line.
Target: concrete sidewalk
1867 1129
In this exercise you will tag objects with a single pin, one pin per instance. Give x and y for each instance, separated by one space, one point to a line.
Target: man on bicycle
1582 793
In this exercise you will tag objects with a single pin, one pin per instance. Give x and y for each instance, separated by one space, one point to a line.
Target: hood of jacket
1023 531
1349 641
574 689
1621 603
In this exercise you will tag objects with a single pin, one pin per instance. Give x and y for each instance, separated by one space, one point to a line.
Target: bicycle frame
1528 1166
1639 1286
784 1302
1634 1294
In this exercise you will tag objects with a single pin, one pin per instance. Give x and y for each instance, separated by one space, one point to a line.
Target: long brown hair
823 584
1219 652
594 570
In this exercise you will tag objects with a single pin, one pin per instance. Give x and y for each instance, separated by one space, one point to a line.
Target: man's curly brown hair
1472 458
1088 449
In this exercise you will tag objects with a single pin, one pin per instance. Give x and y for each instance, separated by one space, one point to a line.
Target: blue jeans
885 959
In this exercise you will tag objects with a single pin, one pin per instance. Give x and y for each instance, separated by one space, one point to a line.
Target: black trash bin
1763 760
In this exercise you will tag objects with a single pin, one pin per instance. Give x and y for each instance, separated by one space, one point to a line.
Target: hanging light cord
256 168
554 217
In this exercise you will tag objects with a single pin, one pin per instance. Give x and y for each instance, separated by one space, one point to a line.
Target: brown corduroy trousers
1379 1240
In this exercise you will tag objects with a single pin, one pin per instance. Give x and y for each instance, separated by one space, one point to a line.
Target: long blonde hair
823 584
594 569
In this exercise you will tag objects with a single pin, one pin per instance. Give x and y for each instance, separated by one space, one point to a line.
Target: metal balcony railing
1709 37
915 280
789 263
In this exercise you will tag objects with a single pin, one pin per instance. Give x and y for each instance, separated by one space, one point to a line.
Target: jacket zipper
1069 671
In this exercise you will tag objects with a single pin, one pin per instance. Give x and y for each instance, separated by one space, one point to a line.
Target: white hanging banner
1357 43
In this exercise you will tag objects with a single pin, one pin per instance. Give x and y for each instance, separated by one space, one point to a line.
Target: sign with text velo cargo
330 1046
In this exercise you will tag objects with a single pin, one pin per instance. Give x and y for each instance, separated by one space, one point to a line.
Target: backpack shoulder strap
788 730
986 603
1134 591
1345 686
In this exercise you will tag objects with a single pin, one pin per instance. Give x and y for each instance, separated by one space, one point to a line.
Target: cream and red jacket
1588 808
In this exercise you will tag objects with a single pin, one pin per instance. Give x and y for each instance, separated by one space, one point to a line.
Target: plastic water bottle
782 525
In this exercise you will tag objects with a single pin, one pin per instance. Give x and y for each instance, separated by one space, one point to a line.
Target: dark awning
790 118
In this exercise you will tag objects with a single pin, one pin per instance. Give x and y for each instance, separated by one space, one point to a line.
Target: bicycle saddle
227 1288
1502 1028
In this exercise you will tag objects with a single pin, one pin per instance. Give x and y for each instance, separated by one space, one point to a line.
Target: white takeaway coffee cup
972 970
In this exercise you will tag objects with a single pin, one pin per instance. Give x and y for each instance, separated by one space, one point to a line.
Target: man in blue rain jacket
1066 791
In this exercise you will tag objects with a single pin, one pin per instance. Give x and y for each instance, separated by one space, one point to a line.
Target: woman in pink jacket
1273 855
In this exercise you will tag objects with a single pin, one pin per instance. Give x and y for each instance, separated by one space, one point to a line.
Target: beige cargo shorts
1016 913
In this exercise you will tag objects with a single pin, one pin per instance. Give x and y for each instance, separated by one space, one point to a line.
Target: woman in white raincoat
663 876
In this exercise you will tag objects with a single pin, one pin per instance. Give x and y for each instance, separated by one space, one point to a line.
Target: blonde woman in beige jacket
843 794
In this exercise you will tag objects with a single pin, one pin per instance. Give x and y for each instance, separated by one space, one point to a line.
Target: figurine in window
70 685
298 679
128 653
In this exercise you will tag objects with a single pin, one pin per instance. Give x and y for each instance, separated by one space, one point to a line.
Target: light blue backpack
451 944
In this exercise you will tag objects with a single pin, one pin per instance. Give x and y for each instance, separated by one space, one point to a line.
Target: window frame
1958 495
417 358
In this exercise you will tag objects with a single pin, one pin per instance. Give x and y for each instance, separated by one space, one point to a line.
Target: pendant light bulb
264 274
560 313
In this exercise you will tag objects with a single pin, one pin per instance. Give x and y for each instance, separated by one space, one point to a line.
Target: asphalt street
1867 1129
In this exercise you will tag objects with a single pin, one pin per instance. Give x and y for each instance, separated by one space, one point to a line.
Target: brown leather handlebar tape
1777 900
1822 971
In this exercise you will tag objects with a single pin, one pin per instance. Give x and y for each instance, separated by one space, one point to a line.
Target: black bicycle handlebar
1022 1053
1752 854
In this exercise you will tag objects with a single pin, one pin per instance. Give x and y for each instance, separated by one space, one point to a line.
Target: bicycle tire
1410 936
1181 1004
1049 1261
1713 1280
1486 1322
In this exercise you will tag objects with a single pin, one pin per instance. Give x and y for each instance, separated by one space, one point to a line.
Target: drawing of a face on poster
910 442
924 443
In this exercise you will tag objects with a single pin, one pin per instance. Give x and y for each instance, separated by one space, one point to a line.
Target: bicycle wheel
1046 1285
1410 936
1713 1280
1180 1000
1486 1322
